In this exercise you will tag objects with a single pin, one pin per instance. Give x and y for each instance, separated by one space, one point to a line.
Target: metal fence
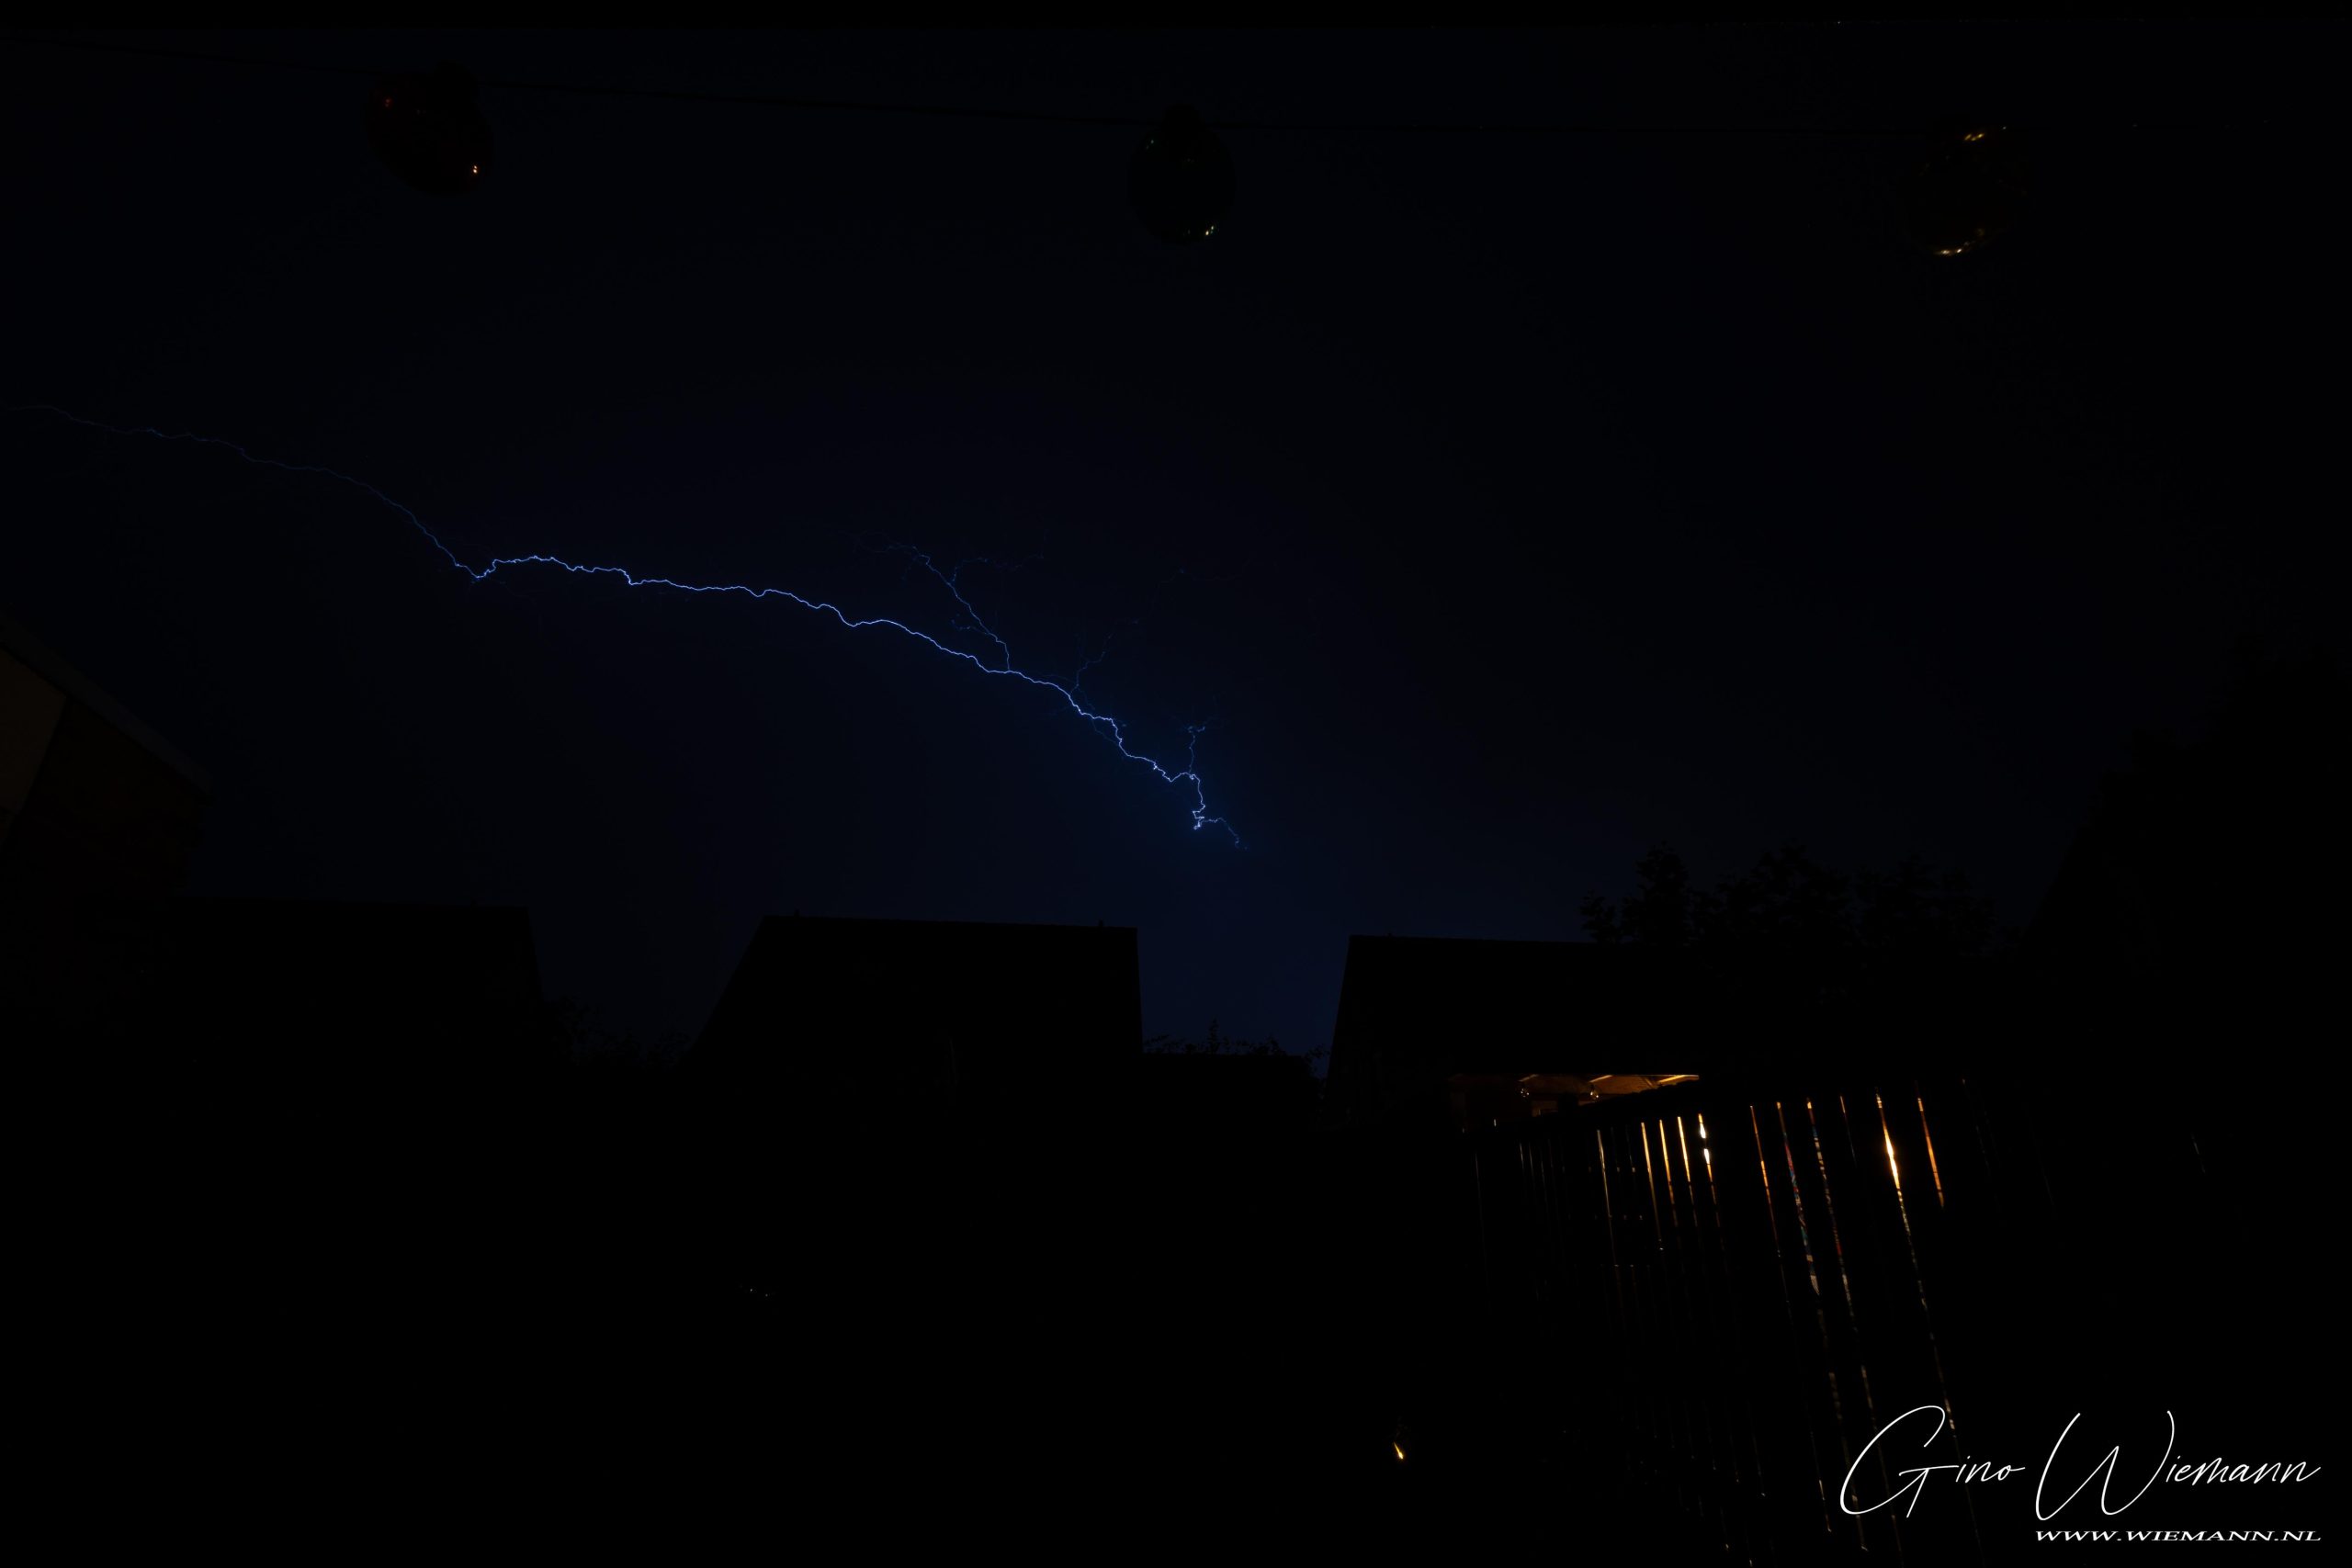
1732 1287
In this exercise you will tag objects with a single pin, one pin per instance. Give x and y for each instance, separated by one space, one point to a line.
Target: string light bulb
1970 188
1180 178
428 130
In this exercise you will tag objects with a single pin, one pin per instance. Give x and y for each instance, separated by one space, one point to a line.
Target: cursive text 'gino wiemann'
2208 1472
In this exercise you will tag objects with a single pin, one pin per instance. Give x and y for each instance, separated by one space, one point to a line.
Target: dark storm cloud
1507 503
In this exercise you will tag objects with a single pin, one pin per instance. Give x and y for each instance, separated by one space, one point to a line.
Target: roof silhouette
973 1006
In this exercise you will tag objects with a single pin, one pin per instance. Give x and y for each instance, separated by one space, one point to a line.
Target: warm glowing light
1930 1137
1973 136
477 169
1400 1451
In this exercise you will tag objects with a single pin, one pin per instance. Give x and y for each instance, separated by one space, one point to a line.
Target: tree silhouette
2212 872
1795 933
1219 1044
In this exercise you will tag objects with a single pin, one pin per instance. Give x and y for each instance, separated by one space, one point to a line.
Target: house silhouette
897 1168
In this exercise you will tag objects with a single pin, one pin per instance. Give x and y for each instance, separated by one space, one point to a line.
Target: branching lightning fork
1102 723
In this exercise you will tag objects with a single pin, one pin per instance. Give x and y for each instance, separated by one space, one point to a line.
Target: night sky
1502 505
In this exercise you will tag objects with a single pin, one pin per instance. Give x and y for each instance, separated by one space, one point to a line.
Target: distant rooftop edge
45 662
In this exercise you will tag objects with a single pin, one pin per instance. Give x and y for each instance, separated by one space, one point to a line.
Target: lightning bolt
1102 724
